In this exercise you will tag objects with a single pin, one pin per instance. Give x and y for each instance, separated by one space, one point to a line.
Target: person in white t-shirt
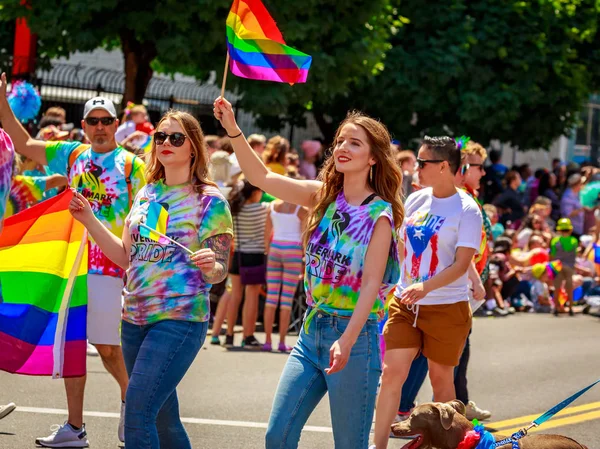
430 310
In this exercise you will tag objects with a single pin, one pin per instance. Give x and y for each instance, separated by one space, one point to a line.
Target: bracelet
234 137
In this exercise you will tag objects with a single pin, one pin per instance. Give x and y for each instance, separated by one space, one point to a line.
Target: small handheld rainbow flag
157 220
257 49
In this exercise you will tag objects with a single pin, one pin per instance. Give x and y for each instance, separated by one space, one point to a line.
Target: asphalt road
521 365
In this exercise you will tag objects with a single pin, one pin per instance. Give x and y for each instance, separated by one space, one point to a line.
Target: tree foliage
188 36
181 35
510 70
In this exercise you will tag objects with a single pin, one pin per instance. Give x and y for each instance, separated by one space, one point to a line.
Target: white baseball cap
99 103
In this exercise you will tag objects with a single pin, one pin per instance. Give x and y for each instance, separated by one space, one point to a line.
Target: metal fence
70 85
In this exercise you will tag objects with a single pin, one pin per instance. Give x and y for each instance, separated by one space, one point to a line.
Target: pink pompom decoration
470 441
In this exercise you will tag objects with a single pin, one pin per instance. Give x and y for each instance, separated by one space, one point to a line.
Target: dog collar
478 438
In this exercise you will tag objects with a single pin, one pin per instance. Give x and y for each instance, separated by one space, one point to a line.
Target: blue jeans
157 356
304 382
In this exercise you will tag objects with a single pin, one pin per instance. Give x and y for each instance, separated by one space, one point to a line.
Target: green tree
492 69
182 34
7 32
188 36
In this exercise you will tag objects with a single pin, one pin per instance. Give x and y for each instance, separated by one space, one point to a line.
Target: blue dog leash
485 443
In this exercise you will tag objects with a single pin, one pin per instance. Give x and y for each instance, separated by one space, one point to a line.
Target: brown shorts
440 331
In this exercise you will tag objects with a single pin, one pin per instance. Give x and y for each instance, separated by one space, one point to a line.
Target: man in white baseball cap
109 177
97 103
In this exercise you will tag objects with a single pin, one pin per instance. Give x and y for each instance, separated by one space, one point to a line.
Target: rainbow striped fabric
43 282
257 49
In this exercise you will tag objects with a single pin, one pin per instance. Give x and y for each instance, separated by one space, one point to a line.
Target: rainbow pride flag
257 49
157 219
43 285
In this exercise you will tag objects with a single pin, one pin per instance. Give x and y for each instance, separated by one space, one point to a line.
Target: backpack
129 158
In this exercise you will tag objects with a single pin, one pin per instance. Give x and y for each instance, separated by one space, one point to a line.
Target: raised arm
303 192
24 143
56 180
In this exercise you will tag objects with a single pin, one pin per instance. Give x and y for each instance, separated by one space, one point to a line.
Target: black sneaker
251 343
228 341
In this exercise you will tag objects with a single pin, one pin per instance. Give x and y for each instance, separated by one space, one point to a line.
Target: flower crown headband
461 142
129 107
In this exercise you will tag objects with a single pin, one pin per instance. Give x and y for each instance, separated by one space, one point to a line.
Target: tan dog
443 426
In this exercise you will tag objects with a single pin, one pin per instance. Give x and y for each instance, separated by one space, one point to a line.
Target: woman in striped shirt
249 218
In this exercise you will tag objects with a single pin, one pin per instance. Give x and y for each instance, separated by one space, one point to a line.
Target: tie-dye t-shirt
36 173
335 257
162 282
433 229
100 177
482 262
7 155
25 191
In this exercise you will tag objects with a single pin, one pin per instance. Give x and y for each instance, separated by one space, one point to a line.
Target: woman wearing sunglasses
351 263
166 295
430 311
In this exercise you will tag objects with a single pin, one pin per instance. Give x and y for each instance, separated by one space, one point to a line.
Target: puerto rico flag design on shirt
421 233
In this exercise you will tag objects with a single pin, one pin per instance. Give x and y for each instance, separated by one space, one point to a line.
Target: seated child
540 292
505 278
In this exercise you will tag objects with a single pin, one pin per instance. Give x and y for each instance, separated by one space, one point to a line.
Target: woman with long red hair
352 264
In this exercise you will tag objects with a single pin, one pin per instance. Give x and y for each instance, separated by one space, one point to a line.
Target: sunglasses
479 166
176 139
106 121
421 162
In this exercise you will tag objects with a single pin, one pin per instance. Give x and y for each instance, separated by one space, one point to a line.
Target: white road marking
207 422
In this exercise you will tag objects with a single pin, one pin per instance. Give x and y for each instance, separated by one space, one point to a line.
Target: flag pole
225 75
166 237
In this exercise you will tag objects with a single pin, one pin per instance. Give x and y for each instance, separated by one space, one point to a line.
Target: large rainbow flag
43 284
257 49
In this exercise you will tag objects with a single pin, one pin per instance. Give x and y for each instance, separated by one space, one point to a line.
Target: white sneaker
122 424
91 350
7 409
474 412
65 436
